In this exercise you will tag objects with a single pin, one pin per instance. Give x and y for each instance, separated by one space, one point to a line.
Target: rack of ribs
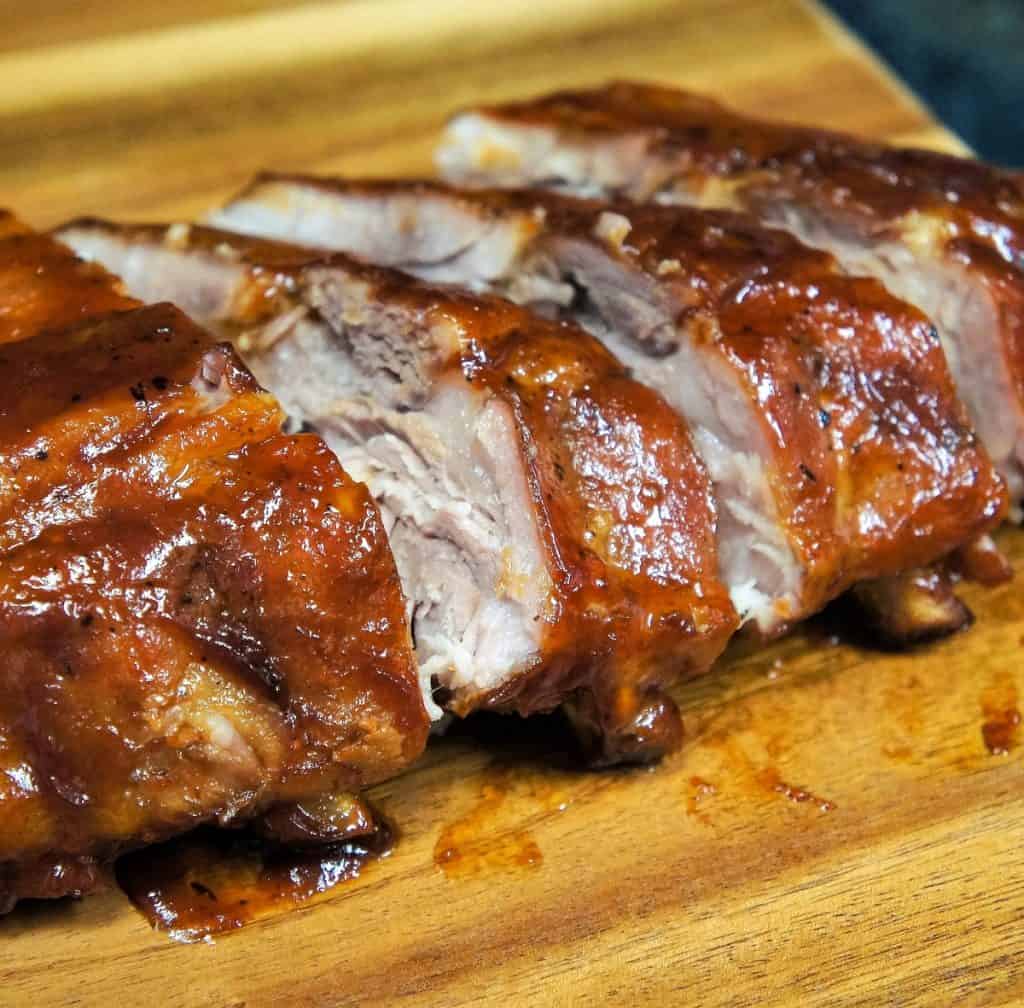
946 233
200 616
822 406
553 526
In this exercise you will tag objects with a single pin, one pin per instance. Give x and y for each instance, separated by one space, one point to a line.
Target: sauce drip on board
460 852
770 780
999 707
700 790
483 839
535 780
210 881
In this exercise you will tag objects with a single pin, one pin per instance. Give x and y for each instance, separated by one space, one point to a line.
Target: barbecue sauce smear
213 881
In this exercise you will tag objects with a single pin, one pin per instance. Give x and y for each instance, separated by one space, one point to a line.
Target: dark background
965 60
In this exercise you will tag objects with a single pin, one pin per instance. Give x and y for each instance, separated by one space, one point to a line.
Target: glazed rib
554 530
821 404
943 232
160 543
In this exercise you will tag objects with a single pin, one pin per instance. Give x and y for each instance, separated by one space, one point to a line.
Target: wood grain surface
836 829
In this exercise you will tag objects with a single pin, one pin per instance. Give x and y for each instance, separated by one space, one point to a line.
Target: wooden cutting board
837 829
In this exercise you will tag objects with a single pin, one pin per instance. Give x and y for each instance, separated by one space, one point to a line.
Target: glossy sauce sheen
213 881
488 837
200 616
636 604
874 465
1000 708
674 138
875 182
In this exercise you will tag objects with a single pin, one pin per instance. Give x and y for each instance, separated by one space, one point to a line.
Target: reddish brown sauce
1000 731
213 881
690 135
982 561
161 540
473 844
683 147
700 791
491 836
745 772
624 506
770 780
858 492
999 707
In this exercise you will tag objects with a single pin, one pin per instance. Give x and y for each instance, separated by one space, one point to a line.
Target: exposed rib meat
553 528
945 233
200 617
822 405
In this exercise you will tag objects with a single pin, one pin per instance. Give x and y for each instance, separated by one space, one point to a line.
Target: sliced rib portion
821 404
554 530
943 232
160 543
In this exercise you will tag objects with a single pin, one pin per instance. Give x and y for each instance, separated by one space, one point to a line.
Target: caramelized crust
623 503
200 616
872 463
636 604
945 232
676 134
642 598
44 286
